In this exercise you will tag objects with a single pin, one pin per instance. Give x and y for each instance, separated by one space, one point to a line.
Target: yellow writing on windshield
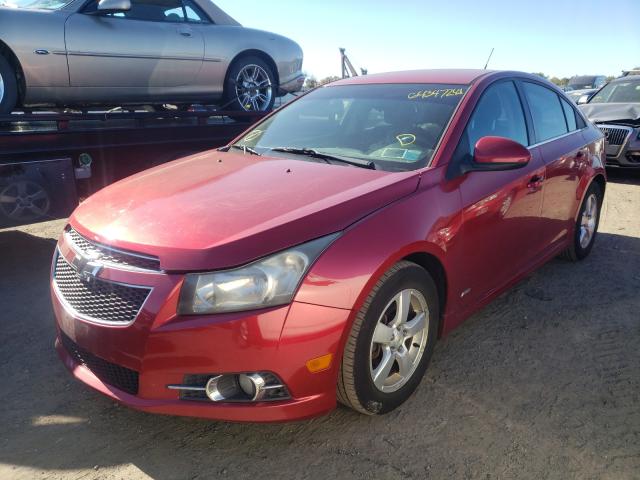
438 93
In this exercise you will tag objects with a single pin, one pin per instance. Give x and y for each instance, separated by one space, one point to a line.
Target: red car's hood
218 210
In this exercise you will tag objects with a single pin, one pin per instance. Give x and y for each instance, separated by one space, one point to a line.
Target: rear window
546 110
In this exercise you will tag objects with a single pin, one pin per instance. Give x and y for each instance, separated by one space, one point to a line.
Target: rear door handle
185 32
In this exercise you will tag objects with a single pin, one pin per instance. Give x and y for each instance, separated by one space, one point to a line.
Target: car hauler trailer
49 161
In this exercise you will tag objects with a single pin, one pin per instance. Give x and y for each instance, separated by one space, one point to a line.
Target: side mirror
583 99
498 153
114 6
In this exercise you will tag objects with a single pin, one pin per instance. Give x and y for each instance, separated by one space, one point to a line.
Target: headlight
264 283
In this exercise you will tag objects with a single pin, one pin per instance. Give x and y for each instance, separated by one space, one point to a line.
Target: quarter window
546 110
570 115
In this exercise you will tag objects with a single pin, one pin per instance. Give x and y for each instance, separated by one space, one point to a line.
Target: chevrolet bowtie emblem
87 266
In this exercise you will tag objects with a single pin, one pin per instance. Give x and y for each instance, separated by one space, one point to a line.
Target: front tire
250 86
8 87
391 341
586 227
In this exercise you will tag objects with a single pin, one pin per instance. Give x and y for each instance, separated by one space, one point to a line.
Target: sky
557 37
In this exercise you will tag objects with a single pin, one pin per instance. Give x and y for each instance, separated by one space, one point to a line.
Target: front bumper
163 348
623 145
292 84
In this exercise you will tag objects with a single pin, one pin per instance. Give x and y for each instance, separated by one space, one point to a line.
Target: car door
557 134
501 209
149 46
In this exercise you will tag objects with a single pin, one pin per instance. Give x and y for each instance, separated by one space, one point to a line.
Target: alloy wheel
253 88
588 220
399 340
1 88
24 200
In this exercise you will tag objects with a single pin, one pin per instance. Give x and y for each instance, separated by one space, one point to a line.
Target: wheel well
599 179
257 53
8 54
432 265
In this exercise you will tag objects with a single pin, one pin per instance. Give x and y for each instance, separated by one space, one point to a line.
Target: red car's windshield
396 127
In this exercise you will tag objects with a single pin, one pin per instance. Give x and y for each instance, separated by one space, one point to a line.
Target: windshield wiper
309 152
244 148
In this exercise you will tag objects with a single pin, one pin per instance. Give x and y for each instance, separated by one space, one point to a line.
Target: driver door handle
535 182
185 32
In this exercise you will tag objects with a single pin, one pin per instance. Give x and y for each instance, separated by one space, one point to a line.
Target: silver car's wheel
253 88
24 200
588 220
399 340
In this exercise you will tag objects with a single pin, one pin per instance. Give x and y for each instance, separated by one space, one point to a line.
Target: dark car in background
583 82
615 109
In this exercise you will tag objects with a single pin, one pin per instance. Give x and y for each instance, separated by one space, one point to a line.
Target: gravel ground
541 384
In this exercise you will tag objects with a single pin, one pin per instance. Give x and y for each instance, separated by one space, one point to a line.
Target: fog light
222 387
253 385
233 387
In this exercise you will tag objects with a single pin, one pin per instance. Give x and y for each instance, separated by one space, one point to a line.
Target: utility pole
348 69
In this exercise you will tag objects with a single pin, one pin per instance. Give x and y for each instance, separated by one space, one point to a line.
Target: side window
546 110
148 10
498 113
570 115
194 14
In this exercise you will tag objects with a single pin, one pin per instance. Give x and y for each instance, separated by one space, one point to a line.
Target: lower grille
122 378
98 300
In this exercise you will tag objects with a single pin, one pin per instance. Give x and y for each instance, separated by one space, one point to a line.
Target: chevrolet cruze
319 256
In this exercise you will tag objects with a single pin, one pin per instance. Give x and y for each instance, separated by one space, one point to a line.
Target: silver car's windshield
35 4
619 92
396 127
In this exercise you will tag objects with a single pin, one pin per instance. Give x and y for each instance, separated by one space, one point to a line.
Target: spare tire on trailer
250 85
8 87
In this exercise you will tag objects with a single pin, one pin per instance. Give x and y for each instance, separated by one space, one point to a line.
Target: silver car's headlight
265 283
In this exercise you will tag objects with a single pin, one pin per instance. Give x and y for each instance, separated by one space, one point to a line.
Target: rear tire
8 87
380 337
250 86
586 227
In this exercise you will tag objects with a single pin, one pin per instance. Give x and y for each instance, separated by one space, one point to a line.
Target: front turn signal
319 364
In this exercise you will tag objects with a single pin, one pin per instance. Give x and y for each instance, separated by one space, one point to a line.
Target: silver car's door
150 46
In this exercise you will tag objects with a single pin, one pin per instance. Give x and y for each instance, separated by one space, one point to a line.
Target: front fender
428 221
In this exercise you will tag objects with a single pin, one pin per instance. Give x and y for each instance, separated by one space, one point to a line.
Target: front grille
615 135
97 299
122 378
109 255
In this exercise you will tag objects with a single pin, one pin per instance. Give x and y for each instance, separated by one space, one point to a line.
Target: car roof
450 76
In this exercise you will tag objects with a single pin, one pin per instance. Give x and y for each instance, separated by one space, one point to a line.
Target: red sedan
320 255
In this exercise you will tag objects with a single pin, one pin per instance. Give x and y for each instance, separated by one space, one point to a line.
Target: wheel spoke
254 102
8 199
22 188
381 373
403 300
382 334
404 363
416 325
39 195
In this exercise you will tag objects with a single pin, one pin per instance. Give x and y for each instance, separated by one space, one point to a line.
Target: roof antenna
487 64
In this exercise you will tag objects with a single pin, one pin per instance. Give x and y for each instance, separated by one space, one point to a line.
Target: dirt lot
543 383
